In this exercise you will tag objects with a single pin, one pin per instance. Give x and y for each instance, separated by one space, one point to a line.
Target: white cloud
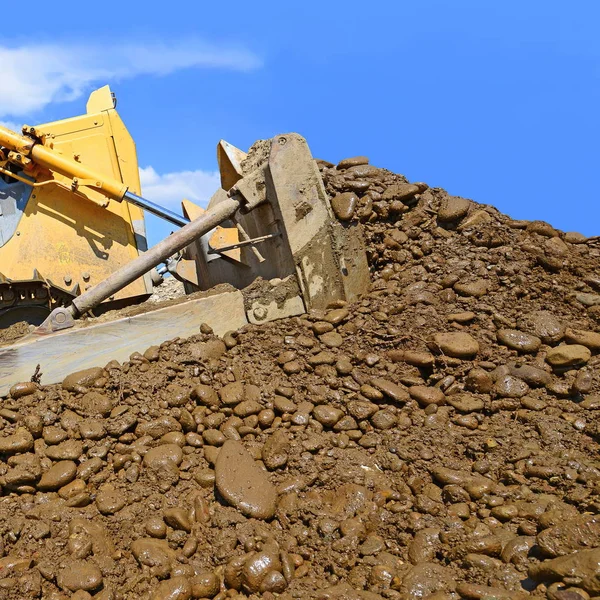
35 75
169 189
11 125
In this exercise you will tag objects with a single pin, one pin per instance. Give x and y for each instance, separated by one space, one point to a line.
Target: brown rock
361 410
555 246
362 171
85 378
206 396
178 518
152 354
574 237
479 381
542 228
508 386
156 527
203 351
258 565
20 390
543 325
232 393
583 566
67 450
155 554
205 584
165 452
110 501
242 483
453 208
336 316
80 575
531 375
568 356
54 435
20 441
91 429
358 185
588 299
174 437
402 191
352 162
589 339
476 289
327 415
419 359
332 339
95 404
246 408
518 340
177 395
284 405
465 403
475 219
11 565
571 535
461 317
475 591
158 427
426 395
424 545
394 391
344 205
95 532
275 450
57 475
591 402
456 344
320 327
384 419
322 358
175 588
425 579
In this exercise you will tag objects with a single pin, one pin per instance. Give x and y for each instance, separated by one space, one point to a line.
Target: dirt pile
439 439
169 289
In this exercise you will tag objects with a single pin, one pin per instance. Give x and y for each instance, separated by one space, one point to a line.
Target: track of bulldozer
31 300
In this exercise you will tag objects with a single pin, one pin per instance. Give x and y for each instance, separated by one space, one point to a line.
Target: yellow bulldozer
73 243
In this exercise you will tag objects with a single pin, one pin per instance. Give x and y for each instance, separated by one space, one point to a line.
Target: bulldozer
73 244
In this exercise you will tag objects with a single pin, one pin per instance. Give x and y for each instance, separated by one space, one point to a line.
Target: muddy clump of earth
438 439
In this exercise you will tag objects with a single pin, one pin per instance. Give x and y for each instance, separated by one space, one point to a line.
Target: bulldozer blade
230 164
72 350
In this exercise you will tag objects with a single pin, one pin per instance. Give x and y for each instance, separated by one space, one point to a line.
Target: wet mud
437 439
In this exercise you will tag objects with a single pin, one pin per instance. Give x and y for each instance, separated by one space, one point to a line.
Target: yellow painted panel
66 236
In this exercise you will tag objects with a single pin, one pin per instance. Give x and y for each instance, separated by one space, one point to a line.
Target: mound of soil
438 439
14 332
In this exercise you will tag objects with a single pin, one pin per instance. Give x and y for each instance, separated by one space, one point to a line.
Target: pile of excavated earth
438 439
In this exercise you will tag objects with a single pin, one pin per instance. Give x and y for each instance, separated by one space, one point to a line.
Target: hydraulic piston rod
24 148
155 209
154 256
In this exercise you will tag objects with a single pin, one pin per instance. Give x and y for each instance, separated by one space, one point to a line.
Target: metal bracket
252 188
20 158
35 133
59 318
186 270
256 240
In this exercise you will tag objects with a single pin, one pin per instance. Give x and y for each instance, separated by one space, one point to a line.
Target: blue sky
495 101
